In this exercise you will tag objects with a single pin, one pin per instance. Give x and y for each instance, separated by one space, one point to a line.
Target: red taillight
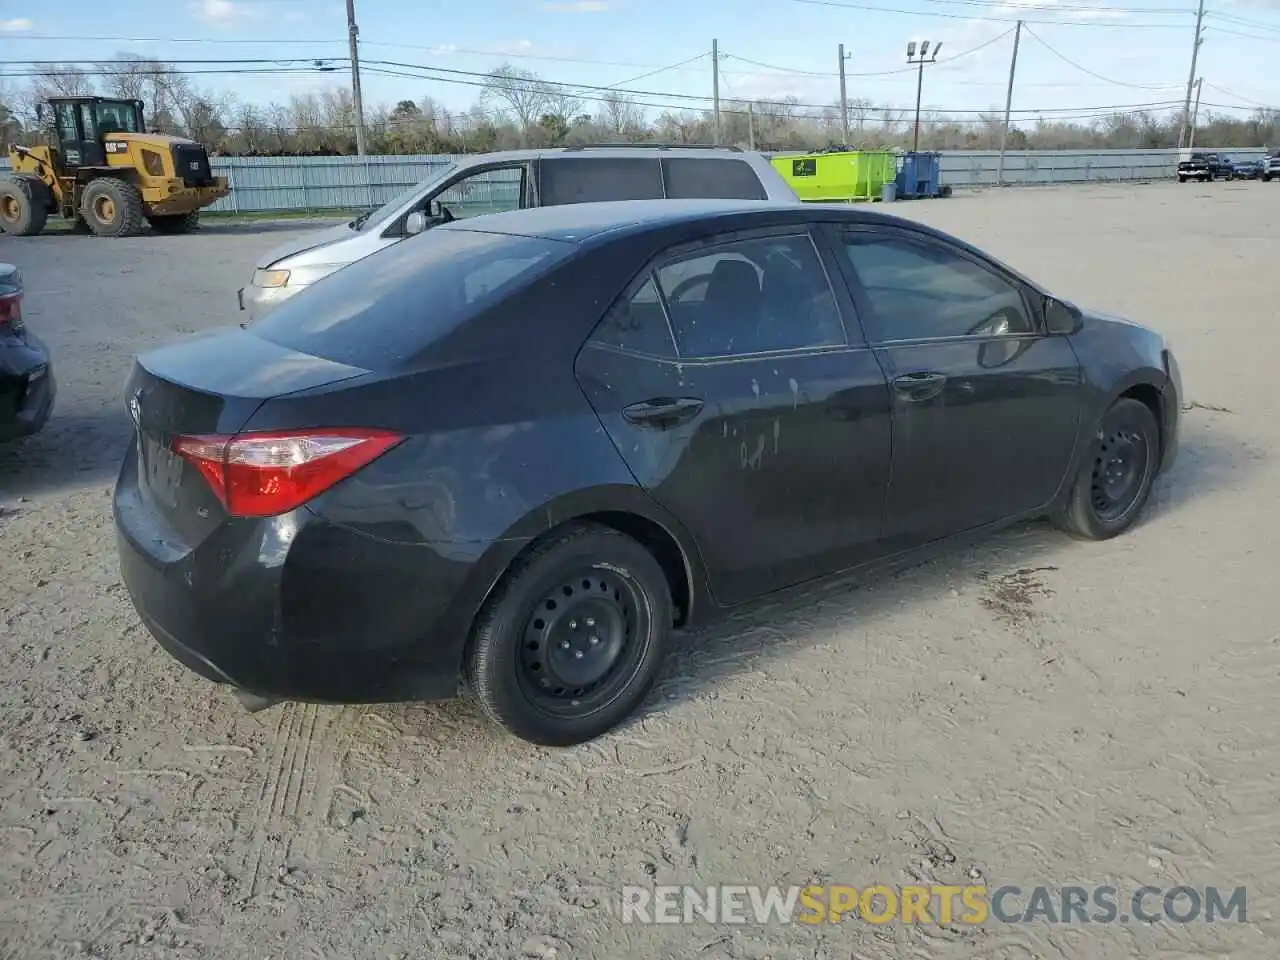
264 474
11 312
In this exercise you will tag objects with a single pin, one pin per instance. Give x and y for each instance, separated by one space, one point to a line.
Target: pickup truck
1271 166
1204 166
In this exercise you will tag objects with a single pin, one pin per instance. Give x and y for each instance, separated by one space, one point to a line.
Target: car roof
583 222
693 152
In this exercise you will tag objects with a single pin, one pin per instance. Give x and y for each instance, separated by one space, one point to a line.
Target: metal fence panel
266 184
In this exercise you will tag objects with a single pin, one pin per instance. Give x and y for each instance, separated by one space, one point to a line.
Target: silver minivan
494 182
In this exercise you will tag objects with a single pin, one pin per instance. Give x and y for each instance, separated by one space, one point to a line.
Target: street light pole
924 57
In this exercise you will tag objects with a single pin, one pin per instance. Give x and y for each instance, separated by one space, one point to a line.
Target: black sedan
27 387
512 455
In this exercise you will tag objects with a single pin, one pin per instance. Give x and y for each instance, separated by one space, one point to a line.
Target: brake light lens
265 474
11 313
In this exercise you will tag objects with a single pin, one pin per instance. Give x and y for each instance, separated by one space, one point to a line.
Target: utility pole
1008 105
751 126
1195 113
1191 77
353 32
844 101
921 60
715 86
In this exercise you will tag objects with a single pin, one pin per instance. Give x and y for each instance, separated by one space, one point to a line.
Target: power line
1114 24
669 67
1067 60
881 73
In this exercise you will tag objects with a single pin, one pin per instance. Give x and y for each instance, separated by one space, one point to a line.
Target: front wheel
572 639
112 207
1181 178
1115 480
176 222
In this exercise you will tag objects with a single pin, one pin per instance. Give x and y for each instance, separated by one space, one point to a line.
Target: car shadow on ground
1212 460
72 452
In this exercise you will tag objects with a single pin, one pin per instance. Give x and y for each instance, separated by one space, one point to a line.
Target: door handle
663 411
918 386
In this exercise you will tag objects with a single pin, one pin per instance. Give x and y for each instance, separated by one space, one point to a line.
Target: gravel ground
1032 710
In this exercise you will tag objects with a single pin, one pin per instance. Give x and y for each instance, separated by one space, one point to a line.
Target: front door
985 403
727 382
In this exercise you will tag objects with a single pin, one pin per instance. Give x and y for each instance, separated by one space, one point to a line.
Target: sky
1075 58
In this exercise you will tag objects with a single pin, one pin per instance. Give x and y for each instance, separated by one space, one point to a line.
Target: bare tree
619 115
518 92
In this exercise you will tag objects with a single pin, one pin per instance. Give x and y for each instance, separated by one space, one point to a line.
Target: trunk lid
208 384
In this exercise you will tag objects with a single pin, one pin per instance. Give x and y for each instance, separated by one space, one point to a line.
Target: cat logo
194 165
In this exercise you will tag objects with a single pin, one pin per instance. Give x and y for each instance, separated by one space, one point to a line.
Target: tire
113 208
1181 178
585 592
1266 178
23 211
1095 511
176 223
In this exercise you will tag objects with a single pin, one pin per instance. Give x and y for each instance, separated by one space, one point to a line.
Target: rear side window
690 178
380 311
591 180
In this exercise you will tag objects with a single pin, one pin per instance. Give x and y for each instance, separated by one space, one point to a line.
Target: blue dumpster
919 175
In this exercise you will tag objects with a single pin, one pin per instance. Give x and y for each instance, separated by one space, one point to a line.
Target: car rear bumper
296 607
27 389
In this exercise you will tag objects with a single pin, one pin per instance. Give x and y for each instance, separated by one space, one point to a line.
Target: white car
495 182
1271 166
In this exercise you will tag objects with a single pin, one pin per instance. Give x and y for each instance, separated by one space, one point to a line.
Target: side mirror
1061 317
415 223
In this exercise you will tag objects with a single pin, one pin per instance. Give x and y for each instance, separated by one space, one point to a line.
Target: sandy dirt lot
1030 711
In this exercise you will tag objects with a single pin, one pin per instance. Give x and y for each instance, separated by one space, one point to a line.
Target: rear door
985 402
727 381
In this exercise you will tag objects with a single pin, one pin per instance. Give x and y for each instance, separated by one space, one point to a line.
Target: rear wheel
1116 477
176 223
113 208
573 637
22 206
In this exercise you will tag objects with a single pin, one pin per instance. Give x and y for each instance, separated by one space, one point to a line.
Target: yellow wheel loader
104 172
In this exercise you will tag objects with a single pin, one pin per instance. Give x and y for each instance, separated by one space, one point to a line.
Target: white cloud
223 13
577 6
16 25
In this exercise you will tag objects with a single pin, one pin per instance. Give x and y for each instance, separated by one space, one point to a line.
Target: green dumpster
838 177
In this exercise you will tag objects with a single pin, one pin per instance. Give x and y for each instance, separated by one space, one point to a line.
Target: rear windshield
382 310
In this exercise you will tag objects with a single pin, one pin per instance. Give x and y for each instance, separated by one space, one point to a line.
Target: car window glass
114 117
689 178
381 311
490 191
588 180
66 119
637 323
921 290
86 121
750 296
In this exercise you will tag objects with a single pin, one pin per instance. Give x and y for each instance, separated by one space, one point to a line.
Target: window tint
587 180
750 296
922 290
637 323
490 191
687 178
382 310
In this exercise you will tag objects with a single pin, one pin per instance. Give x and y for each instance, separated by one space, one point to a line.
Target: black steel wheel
1115 479
571 641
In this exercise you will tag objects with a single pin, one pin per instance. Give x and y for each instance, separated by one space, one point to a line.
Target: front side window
489 191
920 290
750 296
